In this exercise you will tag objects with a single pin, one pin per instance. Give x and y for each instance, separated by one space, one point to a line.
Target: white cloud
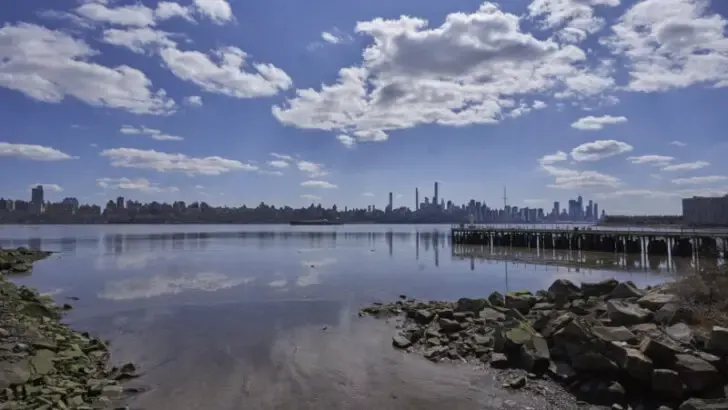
591 123
269 172
311 168
574 20
133 15
74 19
138 184
282 156
645 193
158 285
152 133
278 163
167 10
199 187
686 166
166 162
330 38
657 160
318 184
678 143
32 152
348 141
49 66
138 39
565 178
600 149
671 44
552 158
194 101
368 194
700 180
218 11
48 187
473 69
226 74
311 197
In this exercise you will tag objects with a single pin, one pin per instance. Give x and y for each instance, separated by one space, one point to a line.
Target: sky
291 103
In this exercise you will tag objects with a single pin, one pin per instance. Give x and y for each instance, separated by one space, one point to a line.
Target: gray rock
602 288
614 334
562 291
15 373
449 325
672 313
626 290
496 299
667 384
42 362
625 313
661 351
697 374
656 300
498 361
718 341
591 361
535 355
634 362
423 316
562 372
680 332
491 315
704 404
401 342
471 305
521 302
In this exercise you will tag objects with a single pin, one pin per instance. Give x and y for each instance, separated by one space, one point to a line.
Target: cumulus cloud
49 66
573 20
330 38
473 69
657 160
686 166
138 184
218 11
282 156
166 162
347 141
225 72
194 101
133 15
168 9
552 158
278 163
678 143
311 197
312 169
138 39
700 180
600 149
565 178
32 152
48 187
318 184
671 44
591 123
152 133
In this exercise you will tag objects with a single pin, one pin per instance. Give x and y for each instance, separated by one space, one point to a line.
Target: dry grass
706 294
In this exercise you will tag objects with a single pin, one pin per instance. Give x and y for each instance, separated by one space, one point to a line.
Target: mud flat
609 343
44 364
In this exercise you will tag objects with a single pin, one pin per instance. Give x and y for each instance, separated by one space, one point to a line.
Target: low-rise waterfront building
705 210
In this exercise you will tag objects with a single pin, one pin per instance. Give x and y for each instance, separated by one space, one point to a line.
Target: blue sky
290 102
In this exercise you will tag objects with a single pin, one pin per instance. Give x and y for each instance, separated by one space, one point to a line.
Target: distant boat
316 222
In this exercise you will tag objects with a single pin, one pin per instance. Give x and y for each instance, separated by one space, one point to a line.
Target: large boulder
697 374
667 384
562 291
602 288
656 300
626 290
718 341
661 350
471 305
535 355
704 404
521 302
624 313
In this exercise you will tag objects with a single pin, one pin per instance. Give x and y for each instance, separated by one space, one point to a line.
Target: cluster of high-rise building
476 211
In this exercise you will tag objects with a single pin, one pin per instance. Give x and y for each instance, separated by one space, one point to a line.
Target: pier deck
671 241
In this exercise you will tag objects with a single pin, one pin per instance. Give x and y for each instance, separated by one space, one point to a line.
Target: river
265 317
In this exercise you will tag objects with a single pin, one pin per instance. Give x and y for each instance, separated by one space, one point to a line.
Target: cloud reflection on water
158 285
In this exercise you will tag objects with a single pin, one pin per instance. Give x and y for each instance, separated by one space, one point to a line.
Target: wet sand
295 355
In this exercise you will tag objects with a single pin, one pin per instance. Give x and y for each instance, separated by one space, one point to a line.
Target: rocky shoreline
44 364
609 343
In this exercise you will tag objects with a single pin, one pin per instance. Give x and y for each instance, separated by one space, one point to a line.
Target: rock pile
46 365
610 342
19 260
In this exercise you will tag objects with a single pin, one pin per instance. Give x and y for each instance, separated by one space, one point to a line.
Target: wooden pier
674 242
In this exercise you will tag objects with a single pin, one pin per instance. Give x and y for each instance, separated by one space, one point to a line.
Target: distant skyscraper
596 211
120 202
390 202
557 209
435 199
36 195
417 199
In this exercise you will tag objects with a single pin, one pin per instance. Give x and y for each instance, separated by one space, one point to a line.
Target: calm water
228 317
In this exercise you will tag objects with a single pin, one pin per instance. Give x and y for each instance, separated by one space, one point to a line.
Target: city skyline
239 102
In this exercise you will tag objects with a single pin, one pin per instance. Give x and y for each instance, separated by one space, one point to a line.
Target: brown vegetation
706 294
